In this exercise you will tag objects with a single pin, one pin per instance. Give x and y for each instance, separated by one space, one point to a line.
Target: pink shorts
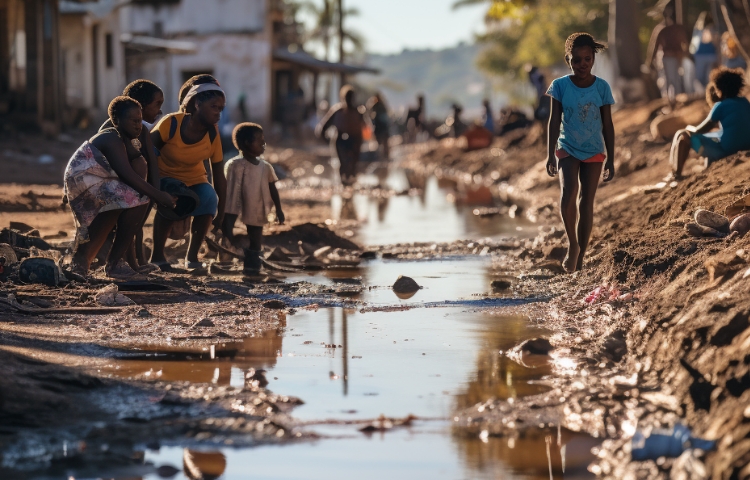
598 158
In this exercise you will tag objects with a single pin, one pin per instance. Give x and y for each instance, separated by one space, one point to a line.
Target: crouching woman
730 112
105 186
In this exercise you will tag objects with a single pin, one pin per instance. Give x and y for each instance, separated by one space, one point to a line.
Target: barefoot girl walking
580 128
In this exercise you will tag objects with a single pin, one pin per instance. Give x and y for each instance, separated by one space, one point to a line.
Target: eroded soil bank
664 339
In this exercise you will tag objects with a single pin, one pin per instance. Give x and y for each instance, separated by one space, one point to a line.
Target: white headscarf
196 89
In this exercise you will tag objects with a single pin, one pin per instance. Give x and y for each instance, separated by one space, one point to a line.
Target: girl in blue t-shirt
580 131
730 112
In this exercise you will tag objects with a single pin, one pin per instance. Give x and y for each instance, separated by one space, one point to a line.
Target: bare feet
570 262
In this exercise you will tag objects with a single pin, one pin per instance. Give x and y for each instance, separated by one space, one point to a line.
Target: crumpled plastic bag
109 296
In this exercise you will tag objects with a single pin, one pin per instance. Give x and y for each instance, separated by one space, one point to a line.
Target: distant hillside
444 76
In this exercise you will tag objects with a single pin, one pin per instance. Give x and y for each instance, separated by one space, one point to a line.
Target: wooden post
341 38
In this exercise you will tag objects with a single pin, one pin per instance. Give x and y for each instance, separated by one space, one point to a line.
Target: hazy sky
389 26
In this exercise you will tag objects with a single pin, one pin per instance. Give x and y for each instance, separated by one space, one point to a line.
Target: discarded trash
41 270
7 252
666 443
110 297
604 292
741 224
274 305
713 220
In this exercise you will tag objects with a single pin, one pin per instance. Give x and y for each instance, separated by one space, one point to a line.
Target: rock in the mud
615 347
537 346
110 297
713 220
741 224
40 270
368 255
274 305
405 284
7 252
256 378
501 285
167 471
700 231
206 322
554 252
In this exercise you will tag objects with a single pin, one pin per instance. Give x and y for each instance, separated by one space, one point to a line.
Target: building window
109 50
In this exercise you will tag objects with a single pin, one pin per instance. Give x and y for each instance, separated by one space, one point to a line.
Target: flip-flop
122 271
149 268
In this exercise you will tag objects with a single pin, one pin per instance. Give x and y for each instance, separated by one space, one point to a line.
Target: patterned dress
93 187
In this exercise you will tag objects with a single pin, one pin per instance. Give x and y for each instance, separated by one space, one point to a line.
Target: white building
248 45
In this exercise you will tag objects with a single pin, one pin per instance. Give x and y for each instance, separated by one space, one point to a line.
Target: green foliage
521 32
534 31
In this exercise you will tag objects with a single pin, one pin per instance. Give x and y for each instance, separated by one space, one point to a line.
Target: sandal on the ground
149 268
194 265
123 271
75 273
163 265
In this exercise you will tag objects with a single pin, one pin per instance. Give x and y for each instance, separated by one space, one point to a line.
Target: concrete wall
241 63
198 17
90 82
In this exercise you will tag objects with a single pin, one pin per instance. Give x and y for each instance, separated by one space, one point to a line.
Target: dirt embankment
665 338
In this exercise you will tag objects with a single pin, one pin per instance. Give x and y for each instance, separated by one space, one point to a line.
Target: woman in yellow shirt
184 140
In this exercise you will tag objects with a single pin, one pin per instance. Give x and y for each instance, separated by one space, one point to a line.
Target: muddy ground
663 341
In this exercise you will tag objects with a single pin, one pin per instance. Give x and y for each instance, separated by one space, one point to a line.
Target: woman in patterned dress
105 186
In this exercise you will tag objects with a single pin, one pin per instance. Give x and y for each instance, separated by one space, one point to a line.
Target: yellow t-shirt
185 162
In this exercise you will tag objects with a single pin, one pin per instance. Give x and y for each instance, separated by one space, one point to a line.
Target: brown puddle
349 365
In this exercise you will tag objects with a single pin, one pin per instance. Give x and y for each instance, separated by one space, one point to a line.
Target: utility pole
341 38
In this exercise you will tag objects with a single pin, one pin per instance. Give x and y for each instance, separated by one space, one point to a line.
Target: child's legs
127 224
680 151
255 235
569 168
162 227
203 215
98 231
589 175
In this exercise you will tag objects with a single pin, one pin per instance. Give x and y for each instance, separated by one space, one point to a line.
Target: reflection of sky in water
430 217
451 279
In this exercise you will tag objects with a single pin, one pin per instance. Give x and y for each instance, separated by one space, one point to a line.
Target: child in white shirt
251 191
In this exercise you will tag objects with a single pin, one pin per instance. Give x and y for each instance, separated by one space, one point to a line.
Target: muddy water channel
380 382
351 367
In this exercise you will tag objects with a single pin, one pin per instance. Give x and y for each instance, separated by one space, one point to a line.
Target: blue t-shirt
733 114
581 131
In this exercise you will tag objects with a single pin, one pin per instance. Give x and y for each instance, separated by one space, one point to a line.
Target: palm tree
325 27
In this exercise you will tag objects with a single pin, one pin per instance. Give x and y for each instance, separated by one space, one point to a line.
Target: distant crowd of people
683 63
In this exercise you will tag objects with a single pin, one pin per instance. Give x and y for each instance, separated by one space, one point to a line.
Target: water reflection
498 376
433 211
536 454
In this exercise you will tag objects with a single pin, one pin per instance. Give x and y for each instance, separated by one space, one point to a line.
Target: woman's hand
551 166
609 170
166 200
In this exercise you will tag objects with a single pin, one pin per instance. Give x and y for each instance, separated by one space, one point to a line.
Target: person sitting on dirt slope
184 140
105 186
730 112
580 127
251 190
151 98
